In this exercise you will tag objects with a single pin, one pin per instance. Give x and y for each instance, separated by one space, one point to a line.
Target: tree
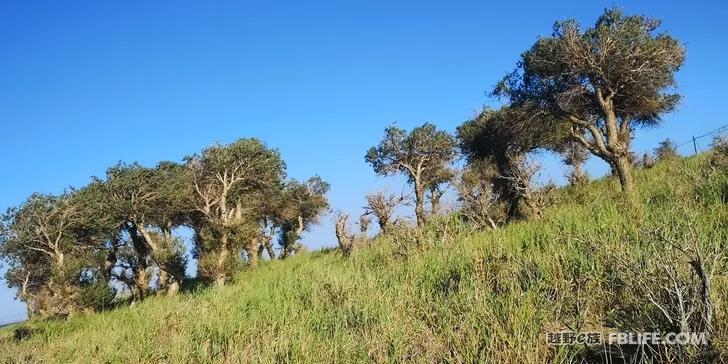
348 240
345 238
419 154
574 156
719 153
130 195
504 137
382 206
364 222
301 206
50 255
227 181
439 179
479 204
173 210
146 204
648 161
28 271
603 81
666 150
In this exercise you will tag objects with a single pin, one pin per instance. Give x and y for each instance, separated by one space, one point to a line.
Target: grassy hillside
443 294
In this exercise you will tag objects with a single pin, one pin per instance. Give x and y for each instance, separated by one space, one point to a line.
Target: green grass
442 294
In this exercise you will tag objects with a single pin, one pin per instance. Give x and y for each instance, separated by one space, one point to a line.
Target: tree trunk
142 281
269 248
419 205
110 262
162 281
435 201
61 258
26 297
299 229
610 143
168 285
173 288
220 272
148 240
135 293
252 252
383 226
514 187
261 249
624 171
142 252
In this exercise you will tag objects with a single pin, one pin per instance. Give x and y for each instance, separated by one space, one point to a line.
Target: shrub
667 150
719 158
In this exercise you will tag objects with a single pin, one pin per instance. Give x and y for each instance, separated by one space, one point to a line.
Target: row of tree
576 92
86 247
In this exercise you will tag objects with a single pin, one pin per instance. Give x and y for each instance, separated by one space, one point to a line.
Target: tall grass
442 294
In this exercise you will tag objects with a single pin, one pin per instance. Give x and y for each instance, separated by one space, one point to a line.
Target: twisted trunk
514 188
269 248
624 171
610 143
220 272
251 250
141 281
419 203
162 281
435 196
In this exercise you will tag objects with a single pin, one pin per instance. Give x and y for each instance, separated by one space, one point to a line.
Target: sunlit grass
443 294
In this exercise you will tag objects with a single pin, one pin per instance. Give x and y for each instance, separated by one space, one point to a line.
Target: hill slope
446 293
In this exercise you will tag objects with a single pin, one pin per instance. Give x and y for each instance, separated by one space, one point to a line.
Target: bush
648 161
719 158
667 150
97 296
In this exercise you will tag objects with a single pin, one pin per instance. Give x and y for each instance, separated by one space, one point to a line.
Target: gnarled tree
505 137
348 240
343 235
301 206
574 156
603 81
225 178
419 155
51 258
479 204
146 204
382 206
666 150
439 179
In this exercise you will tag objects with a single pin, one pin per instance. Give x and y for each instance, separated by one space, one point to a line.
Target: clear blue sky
84 84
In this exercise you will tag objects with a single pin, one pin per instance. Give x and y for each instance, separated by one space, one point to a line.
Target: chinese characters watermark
625 338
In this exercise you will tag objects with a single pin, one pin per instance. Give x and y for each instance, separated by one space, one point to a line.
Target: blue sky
84 84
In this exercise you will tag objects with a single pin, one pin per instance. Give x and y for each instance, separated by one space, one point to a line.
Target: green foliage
504 137
171 258
66 254
667 150
423 155
567 69
510 131
97 296
300 206
602 82
231 184
44 252
400 151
